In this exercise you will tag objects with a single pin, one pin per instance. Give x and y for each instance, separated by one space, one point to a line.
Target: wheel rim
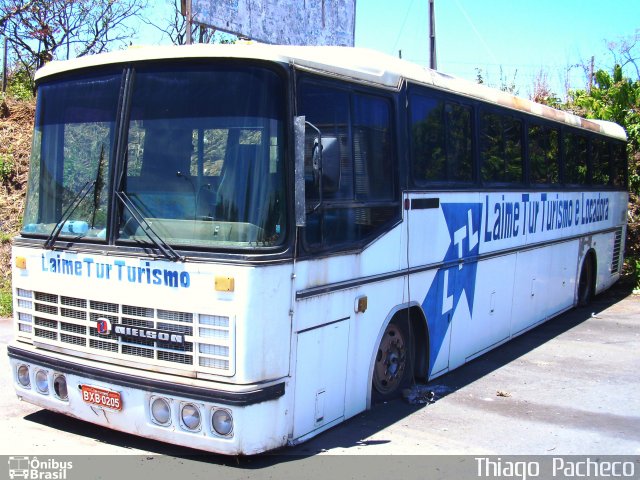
391 361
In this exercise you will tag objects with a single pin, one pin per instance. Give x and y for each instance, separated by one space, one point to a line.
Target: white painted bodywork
298 324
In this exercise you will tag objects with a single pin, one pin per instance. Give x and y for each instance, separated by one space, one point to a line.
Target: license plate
101 397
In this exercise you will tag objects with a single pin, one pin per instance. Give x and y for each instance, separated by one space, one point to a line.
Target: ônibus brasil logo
33 468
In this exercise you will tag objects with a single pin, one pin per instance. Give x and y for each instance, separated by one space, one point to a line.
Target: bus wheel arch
400 353
587 278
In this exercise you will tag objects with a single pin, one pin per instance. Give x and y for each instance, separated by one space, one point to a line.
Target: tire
392 369
585 282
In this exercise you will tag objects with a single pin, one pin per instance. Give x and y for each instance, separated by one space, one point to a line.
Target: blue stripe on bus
445 293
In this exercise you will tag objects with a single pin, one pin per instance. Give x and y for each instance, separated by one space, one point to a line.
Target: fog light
60 387
190 416
161 411
23 376
222 422
42 382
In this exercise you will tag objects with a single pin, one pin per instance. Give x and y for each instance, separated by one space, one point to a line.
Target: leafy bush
6 299
20 85
7 166
635 272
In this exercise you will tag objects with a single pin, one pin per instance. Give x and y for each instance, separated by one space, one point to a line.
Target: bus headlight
222 422
60 387
190 416
161 411
42 382
23 376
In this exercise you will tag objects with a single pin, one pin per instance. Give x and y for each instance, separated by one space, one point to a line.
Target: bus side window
358 165
600 162
544 155
501 142
428 155
619 164
441 148
575 159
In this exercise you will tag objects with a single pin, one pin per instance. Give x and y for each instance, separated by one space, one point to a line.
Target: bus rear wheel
393 366
585 283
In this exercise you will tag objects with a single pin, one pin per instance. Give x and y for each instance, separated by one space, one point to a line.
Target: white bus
235 248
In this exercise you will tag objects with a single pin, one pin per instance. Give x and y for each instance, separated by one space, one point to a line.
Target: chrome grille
70 323
43 322
39 332
137 311
73 302
45 308
69 313
73 339
73 328
46 297
104 307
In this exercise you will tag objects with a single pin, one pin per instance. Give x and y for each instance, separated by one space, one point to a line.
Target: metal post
188 18
433 64
4 65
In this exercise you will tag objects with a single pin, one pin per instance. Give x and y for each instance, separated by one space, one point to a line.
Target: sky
519 38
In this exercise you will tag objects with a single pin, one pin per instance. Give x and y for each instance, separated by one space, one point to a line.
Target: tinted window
544 158
71 156
358 166
440 141
372 148
600 162
575 159
501 137
619 164
205 156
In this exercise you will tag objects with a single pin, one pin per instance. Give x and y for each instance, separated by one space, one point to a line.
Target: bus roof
357 64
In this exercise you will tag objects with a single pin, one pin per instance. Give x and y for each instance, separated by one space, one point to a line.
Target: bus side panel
489 323
561 286
335 340
603 246
544 284
532 281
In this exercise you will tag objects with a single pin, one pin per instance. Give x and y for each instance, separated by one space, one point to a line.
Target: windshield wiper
157 240
55 233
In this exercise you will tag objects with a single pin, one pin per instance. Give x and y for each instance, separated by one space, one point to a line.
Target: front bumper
259 412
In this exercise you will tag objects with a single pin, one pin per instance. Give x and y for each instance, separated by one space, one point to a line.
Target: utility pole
591 74
185 7
433 64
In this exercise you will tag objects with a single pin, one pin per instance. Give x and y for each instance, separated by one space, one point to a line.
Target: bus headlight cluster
161 411
60 387
222 422
23 376
42 382
189 415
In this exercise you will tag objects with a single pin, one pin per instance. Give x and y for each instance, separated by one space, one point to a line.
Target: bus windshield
203 164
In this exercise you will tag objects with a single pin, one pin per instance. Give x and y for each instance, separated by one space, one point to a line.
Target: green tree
43 30
617 99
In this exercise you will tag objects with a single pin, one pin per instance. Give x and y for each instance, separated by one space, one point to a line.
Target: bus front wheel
393 366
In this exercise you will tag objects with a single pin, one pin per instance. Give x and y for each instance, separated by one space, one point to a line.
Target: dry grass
16 126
